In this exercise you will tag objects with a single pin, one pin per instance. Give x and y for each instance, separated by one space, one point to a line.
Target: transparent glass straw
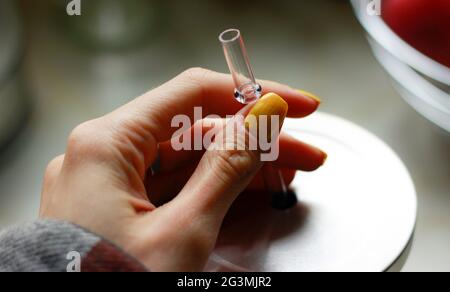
247 90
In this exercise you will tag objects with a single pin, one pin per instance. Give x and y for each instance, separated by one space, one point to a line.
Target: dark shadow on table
251 226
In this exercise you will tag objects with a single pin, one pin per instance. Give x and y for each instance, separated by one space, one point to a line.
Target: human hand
169 221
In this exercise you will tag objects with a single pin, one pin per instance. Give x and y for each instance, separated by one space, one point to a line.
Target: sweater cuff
58 246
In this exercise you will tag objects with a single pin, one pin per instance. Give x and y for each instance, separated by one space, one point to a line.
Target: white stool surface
356 213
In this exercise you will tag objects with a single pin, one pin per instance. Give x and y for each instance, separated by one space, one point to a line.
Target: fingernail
310 95
269 105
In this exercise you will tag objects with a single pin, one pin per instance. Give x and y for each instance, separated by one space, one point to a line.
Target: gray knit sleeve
55 246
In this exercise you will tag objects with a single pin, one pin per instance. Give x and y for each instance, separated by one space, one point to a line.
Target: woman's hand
169 220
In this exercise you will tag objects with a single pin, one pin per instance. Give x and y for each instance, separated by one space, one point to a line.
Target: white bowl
423 82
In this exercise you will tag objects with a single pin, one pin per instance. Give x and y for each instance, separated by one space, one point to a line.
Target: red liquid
424 24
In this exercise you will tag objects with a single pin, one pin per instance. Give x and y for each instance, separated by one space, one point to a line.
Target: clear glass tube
247 90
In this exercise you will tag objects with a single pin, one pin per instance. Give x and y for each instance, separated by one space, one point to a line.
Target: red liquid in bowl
424 24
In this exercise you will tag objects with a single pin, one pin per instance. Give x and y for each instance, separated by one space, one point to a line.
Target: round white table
356 213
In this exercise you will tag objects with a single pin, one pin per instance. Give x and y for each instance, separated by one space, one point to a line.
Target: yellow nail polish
310 95
269 105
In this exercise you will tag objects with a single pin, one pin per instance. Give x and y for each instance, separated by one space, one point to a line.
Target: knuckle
196 74
55 163
235 164
79 137
84 140
53 168
196 79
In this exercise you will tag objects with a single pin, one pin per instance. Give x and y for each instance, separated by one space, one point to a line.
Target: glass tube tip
246 88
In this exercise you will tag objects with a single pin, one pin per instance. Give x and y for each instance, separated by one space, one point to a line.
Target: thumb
224 172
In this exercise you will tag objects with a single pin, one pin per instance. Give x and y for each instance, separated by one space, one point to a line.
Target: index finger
198 87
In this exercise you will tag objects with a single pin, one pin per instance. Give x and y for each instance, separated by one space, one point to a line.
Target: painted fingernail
310 95
269 105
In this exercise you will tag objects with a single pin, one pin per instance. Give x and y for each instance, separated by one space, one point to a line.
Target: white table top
356 213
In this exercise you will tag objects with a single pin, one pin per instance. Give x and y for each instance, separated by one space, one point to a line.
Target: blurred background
57 71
